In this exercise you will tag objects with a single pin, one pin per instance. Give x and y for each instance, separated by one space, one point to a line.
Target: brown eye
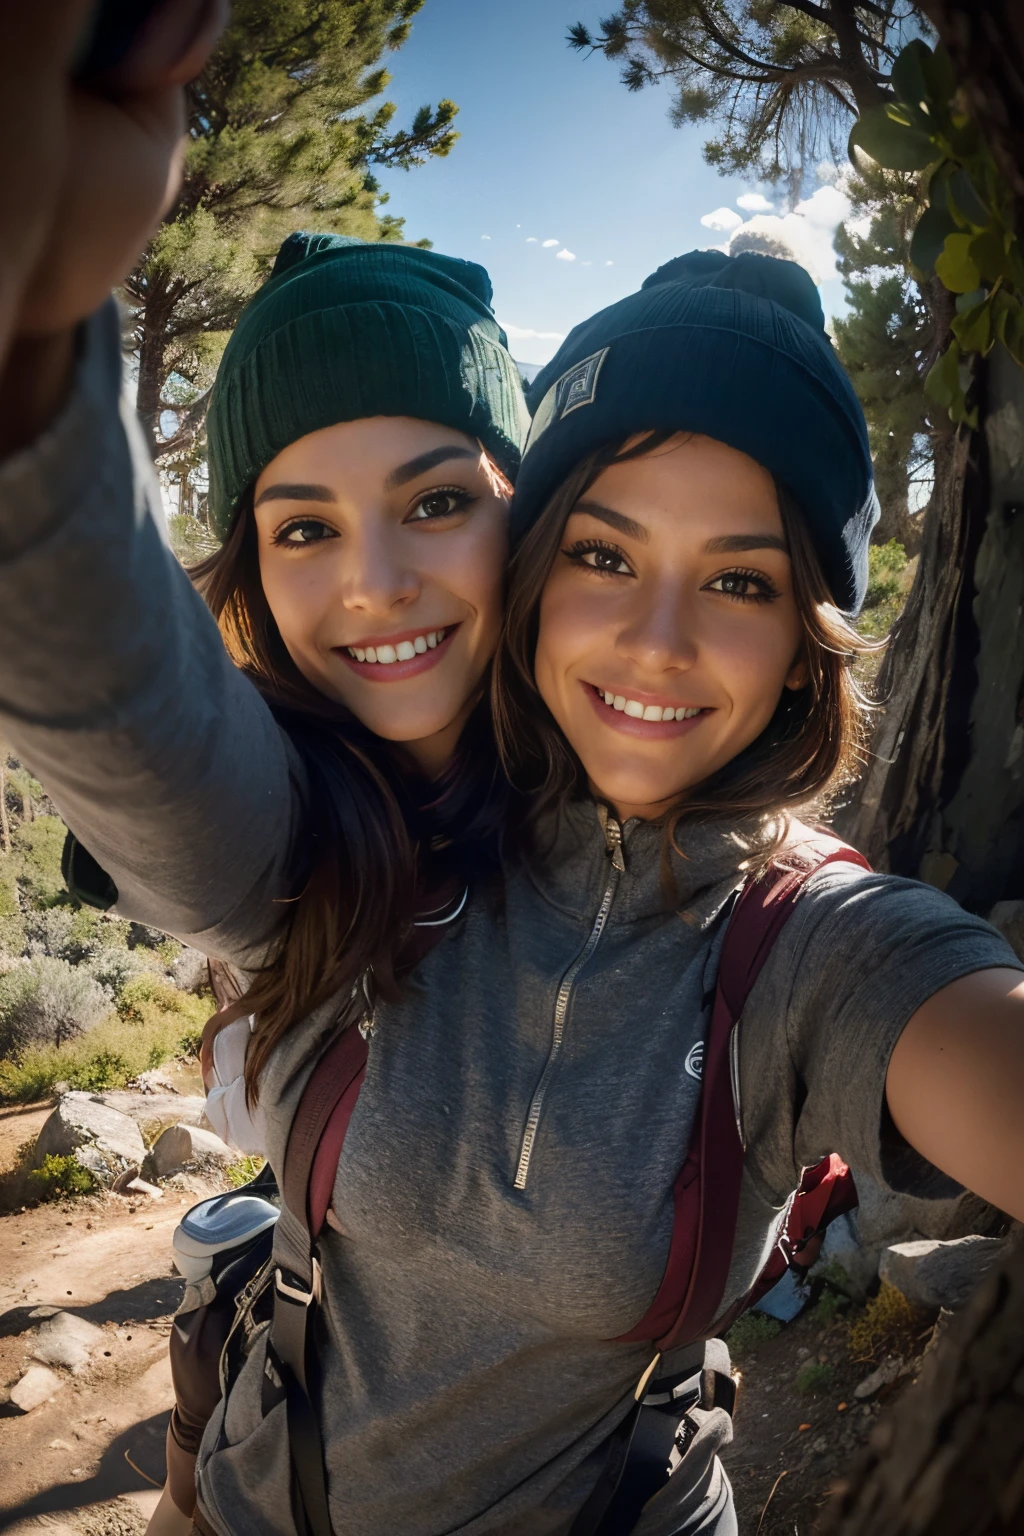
440 503
303 531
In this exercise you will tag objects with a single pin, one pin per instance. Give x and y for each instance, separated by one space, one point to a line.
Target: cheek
471 565
565 636
297 593
755 657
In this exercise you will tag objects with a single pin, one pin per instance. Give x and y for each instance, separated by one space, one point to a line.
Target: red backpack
706 1197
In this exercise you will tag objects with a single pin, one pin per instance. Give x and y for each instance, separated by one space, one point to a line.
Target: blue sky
553 147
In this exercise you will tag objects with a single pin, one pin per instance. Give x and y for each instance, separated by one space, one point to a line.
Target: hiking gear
733 347
284 1292
345 329
223 1222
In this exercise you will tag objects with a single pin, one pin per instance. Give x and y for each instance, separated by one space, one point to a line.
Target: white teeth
405 650
638 711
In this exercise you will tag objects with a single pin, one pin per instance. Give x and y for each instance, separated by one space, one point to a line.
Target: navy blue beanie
733 347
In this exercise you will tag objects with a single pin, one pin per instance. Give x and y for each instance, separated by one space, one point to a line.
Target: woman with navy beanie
570 1142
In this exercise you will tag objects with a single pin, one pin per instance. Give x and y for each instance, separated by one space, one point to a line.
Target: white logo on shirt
695 1060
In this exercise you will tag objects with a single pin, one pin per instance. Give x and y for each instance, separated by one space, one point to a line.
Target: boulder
101 1139
37 1386
191 971
941 1274
66 1340
884 1376
183 1146
153 1112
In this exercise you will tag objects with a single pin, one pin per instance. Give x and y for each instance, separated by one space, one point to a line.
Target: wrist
34 384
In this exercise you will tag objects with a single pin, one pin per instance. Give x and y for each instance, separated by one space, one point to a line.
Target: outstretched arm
114 684
955 1085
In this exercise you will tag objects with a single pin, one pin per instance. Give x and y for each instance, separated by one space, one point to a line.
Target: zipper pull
612 838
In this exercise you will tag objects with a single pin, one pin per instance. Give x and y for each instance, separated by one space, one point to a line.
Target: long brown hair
371 835
808 751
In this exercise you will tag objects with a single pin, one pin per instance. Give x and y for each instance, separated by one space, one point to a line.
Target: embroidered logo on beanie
578 386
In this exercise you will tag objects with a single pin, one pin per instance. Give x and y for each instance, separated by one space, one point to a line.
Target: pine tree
282 135
885 341
781 83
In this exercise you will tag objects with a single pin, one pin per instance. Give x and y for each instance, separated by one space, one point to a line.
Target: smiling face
668 626
382 551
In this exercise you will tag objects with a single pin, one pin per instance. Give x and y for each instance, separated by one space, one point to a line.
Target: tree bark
5 824
950 1460
153 324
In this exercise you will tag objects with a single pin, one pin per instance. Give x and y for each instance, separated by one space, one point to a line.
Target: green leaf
967 201
955 267
911 83
938 72
974 329
966 301
942 384
1010 327
989 255
892 144
930 236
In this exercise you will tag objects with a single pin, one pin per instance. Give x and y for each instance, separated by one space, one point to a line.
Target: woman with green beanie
490 1287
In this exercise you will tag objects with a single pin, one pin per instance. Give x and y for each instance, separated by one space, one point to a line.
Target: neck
432 754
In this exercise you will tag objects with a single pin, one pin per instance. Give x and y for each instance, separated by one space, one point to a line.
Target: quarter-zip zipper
613 842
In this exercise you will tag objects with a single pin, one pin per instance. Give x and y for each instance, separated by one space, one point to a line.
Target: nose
660 633
377 579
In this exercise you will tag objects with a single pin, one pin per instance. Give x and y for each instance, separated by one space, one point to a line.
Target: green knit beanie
345 329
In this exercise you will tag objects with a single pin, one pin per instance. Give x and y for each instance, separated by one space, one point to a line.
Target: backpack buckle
294 1289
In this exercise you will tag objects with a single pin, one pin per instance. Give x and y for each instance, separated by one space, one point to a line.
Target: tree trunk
152 370
950 1460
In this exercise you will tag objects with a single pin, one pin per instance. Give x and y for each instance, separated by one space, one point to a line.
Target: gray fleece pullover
469 1379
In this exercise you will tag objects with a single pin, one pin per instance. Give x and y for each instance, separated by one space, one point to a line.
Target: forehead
374 446
691 482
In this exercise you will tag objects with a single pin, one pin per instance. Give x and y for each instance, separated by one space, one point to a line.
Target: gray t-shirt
470 1372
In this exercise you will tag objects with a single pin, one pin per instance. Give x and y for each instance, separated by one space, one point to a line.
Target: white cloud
540 346
548 243
609 263
531 239
586 263
565 255
485 237
722 221
805 234
754 202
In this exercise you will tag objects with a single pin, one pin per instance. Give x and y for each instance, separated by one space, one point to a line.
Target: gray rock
183 1146
941 1274
66 1340
136 1187
886 1373
191 971
101 1139
37 1386
153 1112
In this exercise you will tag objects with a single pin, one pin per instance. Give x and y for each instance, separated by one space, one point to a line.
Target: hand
84 179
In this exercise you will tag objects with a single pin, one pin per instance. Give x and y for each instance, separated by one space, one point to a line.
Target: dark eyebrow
616 520
739 543
424 461
295 493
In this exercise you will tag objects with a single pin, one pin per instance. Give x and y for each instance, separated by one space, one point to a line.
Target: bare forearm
955 1085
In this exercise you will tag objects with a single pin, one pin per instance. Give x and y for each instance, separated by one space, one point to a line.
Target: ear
796 677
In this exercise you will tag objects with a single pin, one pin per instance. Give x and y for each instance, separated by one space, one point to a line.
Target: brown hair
810 748
368 826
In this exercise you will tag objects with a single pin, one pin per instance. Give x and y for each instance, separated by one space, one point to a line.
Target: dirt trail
106 1259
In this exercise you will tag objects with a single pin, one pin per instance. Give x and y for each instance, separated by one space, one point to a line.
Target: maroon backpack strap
707 1190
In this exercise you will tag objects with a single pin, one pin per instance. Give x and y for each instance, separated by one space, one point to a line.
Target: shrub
47 1001
888 1325
38 846
109 1056
813 1376
59 1175
147 997
245 1170
63 932
115 968
750 1331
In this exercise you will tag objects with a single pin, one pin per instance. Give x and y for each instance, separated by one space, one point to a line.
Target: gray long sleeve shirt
470 1378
